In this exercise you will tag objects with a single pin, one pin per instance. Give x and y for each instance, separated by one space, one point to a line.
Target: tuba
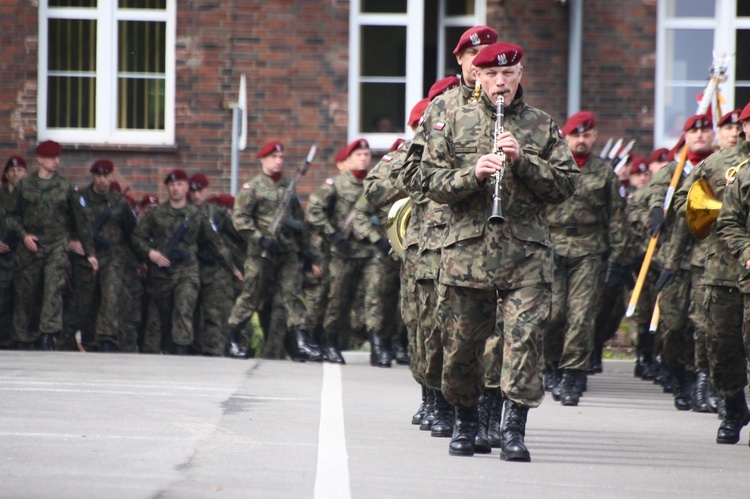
702 207
398 219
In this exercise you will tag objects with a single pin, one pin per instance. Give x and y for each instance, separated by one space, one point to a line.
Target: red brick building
149 83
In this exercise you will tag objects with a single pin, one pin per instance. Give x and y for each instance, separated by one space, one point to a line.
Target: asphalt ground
115 425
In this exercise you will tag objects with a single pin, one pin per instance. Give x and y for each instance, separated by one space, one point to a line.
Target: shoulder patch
246 185
82 200
439 126
623 192
560 133
329 181
386 158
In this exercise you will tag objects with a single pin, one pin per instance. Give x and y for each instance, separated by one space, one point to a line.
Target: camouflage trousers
697 315
468 318
640 321
40 281
213 309
316 298
346 275
173 297
410 307
132 306
676 329
727 355
7 275
272 318
382 317
569 334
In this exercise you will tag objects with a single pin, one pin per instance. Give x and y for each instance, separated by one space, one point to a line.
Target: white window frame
479 17
106 132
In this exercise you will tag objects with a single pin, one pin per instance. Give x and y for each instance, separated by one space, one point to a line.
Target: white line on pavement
332 475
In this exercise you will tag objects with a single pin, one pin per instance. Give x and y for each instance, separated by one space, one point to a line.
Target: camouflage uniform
486 267
49 209
8 270
174 290
584 228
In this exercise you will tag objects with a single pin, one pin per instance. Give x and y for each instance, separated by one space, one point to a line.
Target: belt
574 231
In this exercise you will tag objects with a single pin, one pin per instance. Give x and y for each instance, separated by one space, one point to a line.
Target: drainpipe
575 55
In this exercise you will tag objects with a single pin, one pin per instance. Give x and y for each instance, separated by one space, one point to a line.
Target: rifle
286 200
605 150
99 241
171 250
622 158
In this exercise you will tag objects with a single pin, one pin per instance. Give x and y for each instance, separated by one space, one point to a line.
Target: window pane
452 35
691 8
381 6
459 8
742 57
383 50
688 54
71 102
72 45
143 4
743 8
382 107
741 97
142 47
72 3
140 104
679 104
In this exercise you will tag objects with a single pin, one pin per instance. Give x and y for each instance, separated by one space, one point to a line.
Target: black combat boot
313 343
681 389
442 426
385 358
465 433
557 389
422 411
48 342
481 441
303 347
496 419
595 361
648 367
234 349
401 352
701 393
332 353
107 346
737 416
712 398
569 394
552 376
429 416
514 432
23 345
581 382
180 350
721 408
376 345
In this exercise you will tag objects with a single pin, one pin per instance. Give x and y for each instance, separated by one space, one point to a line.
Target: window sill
121 148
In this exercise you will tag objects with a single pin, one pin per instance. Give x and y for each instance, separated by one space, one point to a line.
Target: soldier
585 229
331 212
657 160
169 237
272 259
45 208
97 295
729 128
490 268
147 202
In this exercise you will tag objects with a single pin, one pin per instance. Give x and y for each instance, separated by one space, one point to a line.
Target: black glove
656 221
270 245
666 277
340 242
615 274
383 245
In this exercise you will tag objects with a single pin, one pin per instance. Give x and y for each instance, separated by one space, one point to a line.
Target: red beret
148 199
102 167
499 54
582 121
198 182
698 121
745 112
174 175
340 155
730 118
14 161
417 111
442 86
115 187
270 147
639 165
357 144
478 35
676 149
48 149
396 145
226 200
658 155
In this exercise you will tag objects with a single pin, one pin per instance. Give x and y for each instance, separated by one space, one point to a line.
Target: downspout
575 56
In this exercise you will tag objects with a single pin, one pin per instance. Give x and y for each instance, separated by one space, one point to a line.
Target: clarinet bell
497 211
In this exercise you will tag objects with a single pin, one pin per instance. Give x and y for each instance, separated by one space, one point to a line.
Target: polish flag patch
439 126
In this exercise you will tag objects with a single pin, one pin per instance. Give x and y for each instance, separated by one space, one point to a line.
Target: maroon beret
442 86
270 147
102 167
499 54
396 145
658 155
198 182
15 161
698 121
174 175
730 118
582 121
226 200
148 199
417 111
357 144
639 165
48 149
115 187
478 35
676 149
745 112
340 155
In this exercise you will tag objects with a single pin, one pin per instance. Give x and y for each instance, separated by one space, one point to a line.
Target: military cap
115 187
396 145
48 149
478 35
676 149
658 155
582 121
639 165
102 167
148 199
226 200
270 147
14 161
198 182
499 54
341 155
443 85
417 111
357 144
698 121
174 175
730 118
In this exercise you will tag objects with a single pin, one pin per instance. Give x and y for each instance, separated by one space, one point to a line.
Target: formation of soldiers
488 311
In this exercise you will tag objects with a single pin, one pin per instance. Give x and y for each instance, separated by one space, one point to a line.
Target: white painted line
332 475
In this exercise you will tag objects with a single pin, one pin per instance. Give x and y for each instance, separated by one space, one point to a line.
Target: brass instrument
476 93
497 208
398 219
702 207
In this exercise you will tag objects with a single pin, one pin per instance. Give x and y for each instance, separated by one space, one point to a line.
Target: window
398 48
106 71
689 33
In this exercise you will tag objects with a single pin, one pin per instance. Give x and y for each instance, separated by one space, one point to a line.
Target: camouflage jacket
221 222
637 216
331 209
7 235
724 263
254 211
504 255
597 210
379 190
117 227
51 210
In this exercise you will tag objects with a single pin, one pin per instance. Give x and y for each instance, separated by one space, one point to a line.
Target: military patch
82 200
246 185
386 158
623 192
329 181
439 126
560 133
213 226
464 150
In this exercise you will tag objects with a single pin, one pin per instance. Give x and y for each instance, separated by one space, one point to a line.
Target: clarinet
497 208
